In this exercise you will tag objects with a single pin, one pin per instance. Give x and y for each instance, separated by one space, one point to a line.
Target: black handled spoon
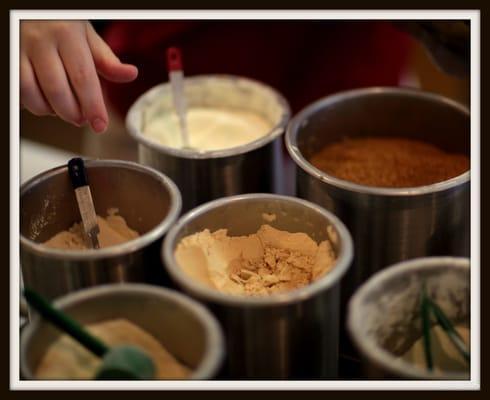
79 181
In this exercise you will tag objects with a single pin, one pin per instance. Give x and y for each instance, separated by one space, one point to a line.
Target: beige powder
269 261
113 230
67 359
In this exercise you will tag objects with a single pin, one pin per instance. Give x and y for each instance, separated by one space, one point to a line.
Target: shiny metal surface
148 200
384 314
388 225
289 335
202 177
173 319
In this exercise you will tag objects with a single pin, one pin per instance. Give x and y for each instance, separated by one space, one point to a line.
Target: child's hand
59 63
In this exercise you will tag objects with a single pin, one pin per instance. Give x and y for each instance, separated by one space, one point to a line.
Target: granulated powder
389 162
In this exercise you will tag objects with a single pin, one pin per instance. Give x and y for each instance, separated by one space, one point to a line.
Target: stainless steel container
387 224
148 200
384 314
184 327
204 176
288 335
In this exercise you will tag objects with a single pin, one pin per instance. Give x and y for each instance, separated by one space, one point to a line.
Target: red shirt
304 60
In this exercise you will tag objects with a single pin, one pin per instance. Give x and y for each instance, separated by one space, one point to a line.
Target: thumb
107 63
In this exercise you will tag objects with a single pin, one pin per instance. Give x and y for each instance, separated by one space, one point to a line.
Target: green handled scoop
120 362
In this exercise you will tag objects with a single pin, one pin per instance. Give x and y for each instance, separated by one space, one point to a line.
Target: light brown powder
113 230
267 262
279 270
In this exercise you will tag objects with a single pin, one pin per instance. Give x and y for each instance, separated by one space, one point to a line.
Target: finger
79 65
54 84
107 63
31 96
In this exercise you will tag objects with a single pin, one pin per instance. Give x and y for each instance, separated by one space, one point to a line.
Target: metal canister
288 335
384 317
204 176
387 224
184 327
149 201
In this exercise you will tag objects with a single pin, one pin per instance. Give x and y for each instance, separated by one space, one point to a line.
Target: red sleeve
305 60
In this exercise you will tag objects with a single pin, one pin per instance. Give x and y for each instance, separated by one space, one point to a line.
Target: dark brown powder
389 162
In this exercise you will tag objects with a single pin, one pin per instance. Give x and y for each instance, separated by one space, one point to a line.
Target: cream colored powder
269 261
67 359
113 231
208 128
445 355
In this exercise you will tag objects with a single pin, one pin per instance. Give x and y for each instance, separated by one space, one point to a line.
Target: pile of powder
113 230
267 262
389 162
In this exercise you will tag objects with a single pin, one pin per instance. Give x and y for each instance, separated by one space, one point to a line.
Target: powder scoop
176 77
119 362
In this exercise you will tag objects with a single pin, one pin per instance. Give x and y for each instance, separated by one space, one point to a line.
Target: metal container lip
291 139
120 249
369 346
214 352
342 264
274 132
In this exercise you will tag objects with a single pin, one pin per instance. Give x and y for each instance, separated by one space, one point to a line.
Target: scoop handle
174 59
65 323
78 175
